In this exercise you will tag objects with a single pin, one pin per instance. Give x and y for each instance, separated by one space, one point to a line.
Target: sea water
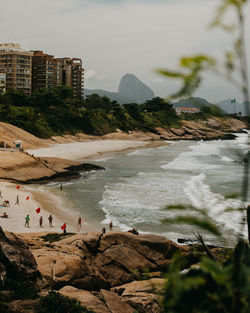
136 187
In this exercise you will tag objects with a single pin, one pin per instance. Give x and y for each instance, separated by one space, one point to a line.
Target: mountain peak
132 88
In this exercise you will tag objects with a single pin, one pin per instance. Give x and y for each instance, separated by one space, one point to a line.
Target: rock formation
117 272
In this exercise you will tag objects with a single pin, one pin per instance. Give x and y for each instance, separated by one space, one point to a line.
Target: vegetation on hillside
54 111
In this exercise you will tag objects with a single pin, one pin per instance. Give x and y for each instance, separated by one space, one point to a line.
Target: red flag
18 186
64 226
38 210
27 198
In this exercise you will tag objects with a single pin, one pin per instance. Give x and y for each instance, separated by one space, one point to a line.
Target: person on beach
41 221
27 221
5 203
50 218
17 200
4 215
61 187
79 224
111 225
1 194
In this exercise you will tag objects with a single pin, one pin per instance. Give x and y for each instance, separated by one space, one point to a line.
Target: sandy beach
50 203
29 201
82 150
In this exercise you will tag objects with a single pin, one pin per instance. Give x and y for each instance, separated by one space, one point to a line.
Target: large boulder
86 298
143 296
15 257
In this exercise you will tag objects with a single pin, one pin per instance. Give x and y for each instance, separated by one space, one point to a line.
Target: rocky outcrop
16 260
211 129
113 273
144 296
26 168
94 262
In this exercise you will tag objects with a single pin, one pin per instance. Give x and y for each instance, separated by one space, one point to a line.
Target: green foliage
20 289
201 220
191 76
56 303
213 288
52 237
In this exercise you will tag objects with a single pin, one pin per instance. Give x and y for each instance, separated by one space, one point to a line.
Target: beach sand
47 203
50 203
82 150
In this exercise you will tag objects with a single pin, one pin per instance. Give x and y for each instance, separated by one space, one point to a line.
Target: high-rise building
2 83
46 71
73 75
16 64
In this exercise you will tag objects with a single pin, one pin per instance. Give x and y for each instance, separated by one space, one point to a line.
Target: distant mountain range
131 90
192 102
231 108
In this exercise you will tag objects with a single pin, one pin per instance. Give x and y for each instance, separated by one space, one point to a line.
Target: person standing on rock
27 221
50 218
79 224
41 221
111 225
17 200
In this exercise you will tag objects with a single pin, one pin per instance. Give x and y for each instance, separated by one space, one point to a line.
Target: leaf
186 207
201 223
234 195
234 209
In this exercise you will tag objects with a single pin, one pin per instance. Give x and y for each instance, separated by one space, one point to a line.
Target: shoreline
51 203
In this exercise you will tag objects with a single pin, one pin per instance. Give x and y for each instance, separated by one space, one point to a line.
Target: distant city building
17 65
2 83
180 110
46 71
73 75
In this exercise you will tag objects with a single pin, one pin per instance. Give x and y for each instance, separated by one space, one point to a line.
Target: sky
115 37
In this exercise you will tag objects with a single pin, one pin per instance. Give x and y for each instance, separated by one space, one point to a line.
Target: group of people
133 230
27 221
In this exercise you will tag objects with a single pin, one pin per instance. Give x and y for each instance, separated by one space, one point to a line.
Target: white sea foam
226 159
189 161
201 196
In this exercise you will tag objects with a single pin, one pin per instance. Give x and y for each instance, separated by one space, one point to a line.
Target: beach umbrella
63 226
27 198
18 186
38 210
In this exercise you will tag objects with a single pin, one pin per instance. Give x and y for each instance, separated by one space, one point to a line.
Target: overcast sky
115 37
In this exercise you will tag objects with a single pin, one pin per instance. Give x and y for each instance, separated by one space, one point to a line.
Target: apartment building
73 75
17 65
46 71
31 70
2 82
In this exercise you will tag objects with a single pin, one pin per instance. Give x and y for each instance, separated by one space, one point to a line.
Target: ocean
137 186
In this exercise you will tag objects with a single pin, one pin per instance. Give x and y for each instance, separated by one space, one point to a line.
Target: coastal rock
144 295
94 262
114 302
86 298
16 258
